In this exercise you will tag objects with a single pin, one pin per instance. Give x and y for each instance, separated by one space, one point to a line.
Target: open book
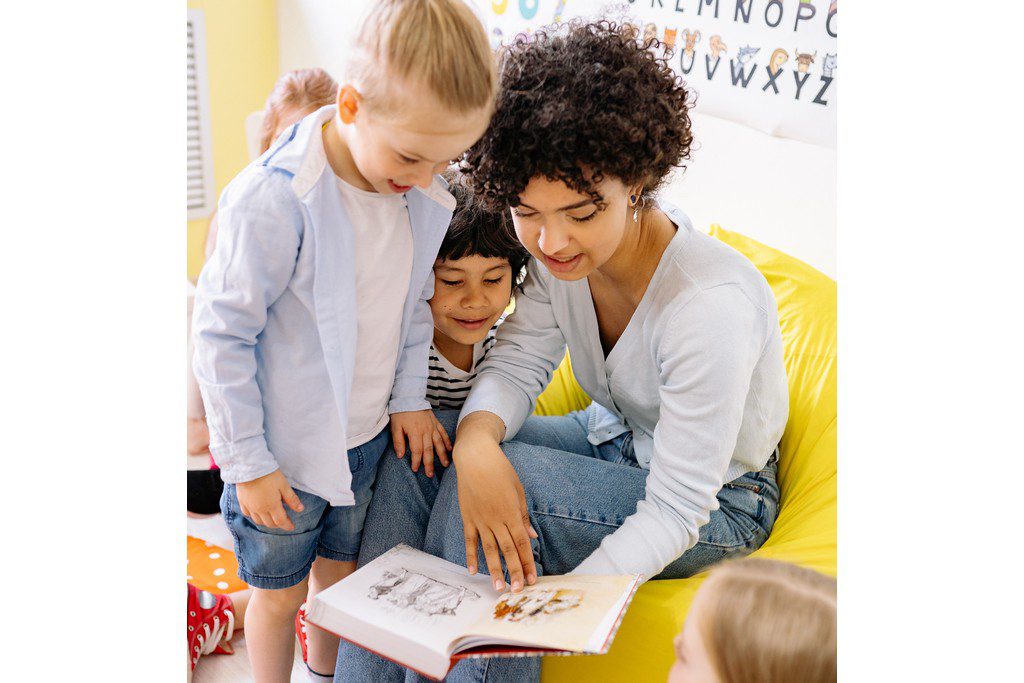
425 613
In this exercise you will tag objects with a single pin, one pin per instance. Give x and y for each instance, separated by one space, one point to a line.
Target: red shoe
300 629
211 622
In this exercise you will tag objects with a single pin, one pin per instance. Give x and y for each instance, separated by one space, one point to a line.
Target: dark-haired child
478 267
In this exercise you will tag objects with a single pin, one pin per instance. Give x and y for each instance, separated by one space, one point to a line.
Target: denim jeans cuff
274 582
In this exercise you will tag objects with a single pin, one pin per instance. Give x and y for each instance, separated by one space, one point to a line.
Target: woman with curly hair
674 336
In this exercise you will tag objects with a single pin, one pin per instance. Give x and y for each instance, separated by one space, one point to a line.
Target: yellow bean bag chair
562 395
805 531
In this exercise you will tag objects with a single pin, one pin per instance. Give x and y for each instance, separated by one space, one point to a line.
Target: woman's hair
440 43
476 230
581 98
305 89
765 621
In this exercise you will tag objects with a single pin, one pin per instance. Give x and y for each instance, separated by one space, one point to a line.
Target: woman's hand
493 503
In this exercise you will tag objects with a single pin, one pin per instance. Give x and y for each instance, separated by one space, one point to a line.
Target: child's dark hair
575 97
476 230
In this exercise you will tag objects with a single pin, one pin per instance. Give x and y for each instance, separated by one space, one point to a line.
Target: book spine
622 614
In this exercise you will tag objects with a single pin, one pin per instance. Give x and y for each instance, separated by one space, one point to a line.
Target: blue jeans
576 493
274 558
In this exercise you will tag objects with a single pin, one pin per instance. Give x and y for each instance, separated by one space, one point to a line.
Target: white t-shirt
383 245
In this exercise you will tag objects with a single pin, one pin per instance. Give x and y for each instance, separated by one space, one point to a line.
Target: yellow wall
242 62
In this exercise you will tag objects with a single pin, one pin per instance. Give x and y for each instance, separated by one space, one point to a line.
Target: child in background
478 267
759 621
311 323
295 95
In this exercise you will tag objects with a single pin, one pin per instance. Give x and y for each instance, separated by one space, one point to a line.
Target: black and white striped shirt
447 385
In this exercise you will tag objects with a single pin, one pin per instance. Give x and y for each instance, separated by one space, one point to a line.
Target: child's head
759 621
296 94
478 266
588 124
419 90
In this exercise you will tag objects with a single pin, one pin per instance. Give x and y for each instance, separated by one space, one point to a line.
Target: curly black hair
477 230
581 96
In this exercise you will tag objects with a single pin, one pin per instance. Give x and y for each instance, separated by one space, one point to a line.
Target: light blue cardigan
697 377
275 317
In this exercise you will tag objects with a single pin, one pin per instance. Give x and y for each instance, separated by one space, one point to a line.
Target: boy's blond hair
440 43
765 621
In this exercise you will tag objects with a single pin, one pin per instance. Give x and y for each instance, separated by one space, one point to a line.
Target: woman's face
692 665
566 231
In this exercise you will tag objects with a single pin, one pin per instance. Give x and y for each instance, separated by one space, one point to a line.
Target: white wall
315 32
781 192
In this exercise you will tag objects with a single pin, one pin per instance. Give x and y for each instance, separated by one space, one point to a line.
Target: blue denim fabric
275 558
576 494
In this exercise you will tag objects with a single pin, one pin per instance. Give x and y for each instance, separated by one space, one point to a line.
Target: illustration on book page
414 591
536 603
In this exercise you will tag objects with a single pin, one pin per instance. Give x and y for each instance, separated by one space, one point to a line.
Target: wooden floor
234 668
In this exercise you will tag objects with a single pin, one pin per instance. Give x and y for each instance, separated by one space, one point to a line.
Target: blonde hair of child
304 90
765 621
439 43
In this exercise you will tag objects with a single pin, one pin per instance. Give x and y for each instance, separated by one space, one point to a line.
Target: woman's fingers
522 534
471 540
493 558
510 552
524 551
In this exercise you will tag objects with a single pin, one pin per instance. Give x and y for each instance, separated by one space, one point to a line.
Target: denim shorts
275 558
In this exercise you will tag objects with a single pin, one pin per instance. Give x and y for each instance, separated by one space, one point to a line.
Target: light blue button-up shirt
275 317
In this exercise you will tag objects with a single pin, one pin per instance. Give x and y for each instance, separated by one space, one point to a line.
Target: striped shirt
447 385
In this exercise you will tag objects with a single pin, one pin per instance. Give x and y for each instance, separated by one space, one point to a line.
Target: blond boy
311 320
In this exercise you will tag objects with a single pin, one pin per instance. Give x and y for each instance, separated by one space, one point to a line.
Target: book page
414 595
558 612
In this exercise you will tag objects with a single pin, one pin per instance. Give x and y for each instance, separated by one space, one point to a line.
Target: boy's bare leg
321 646
270 631
240 603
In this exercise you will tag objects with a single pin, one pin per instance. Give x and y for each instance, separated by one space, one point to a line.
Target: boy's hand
260 500
426 437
